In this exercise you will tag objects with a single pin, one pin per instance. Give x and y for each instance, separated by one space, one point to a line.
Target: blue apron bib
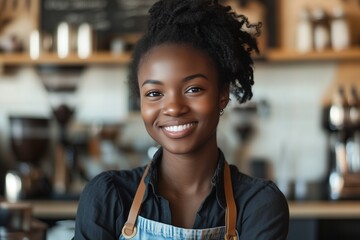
140 228
149 229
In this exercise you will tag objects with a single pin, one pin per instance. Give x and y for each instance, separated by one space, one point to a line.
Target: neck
190 173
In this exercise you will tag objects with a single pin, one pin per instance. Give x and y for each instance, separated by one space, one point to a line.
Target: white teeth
178 128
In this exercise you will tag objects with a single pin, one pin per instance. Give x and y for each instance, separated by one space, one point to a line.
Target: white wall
292 136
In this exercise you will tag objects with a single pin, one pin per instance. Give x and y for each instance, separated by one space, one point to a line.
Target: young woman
194 54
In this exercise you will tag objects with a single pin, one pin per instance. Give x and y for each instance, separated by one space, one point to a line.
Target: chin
183 148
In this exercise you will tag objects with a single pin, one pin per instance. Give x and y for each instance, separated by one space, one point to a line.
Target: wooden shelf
96 58
327 55
275 55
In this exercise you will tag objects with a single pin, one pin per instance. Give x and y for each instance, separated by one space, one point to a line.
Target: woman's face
180 98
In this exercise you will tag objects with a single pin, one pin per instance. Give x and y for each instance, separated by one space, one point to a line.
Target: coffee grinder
341 120
29 140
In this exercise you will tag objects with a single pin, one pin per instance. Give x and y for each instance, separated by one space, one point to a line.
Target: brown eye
194 90
153 94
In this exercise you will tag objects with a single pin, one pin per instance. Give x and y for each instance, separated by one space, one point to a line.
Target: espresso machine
341 121
29 140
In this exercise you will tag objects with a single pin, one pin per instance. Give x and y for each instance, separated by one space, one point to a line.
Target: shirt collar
217 180
151 177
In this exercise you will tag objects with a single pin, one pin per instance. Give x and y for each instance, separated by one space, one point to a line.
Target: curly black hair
228 38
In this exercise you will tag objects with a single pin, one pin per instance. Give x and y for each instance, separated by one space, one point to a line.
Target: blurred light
63 40
34 44
13 186
84 40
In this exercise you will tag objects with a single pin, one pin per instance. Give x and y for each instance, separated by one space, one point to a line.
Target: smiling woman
194 54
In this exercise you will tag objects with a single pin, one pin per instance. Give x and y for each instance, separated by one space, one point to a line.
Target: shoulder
263 211
113 182
104 204
253 194
113 189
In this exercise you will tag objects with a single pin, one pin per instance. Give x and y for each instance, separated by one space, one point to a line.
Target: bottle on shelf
340 32
304 32
321 29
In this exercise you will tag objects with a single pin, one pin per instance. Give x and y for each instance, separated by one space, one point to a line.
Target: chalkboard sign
107 17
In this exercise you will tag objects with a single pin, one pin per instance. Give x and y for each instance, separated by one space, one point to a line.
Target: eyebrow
186 79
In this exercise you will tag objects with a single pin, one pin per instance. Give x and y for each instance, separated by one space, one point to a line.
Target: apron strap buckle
228 237
128 232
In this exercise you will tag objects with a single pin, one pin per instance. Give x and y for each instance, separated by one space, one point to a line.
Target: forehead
176 57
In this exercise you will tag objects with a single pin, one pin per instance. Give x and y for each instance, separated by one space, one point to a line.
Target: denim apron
138 227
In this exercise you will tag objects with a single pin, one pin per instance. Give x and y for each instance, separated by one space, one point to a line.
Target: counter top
49 209
305 209
325 209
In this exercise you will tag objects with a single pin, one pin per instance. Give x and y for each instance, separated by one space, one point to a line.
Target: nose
175 106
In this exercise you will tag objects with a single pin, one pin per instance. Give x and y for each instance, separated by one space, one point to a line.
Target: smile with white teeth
178 128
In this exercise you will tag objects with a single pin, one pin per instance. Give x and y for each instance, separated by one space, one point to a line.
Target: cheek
148 113
207 106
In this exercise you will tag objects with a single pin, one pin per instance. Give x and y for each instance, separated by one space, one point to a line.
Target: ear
224 97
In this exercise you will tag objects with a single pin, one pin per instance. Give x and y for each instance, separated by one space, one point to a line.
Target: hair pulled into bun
228 38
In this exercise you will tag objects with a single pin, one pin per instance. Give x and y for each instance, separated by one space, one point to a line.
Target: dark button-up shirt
262 210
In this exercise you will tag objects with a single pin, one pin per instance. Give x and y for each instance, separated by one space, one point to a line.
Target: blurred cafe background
67 113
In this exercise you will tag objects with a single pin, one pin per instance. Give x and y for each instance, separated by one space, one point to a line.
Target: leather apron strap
231 212
129 229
